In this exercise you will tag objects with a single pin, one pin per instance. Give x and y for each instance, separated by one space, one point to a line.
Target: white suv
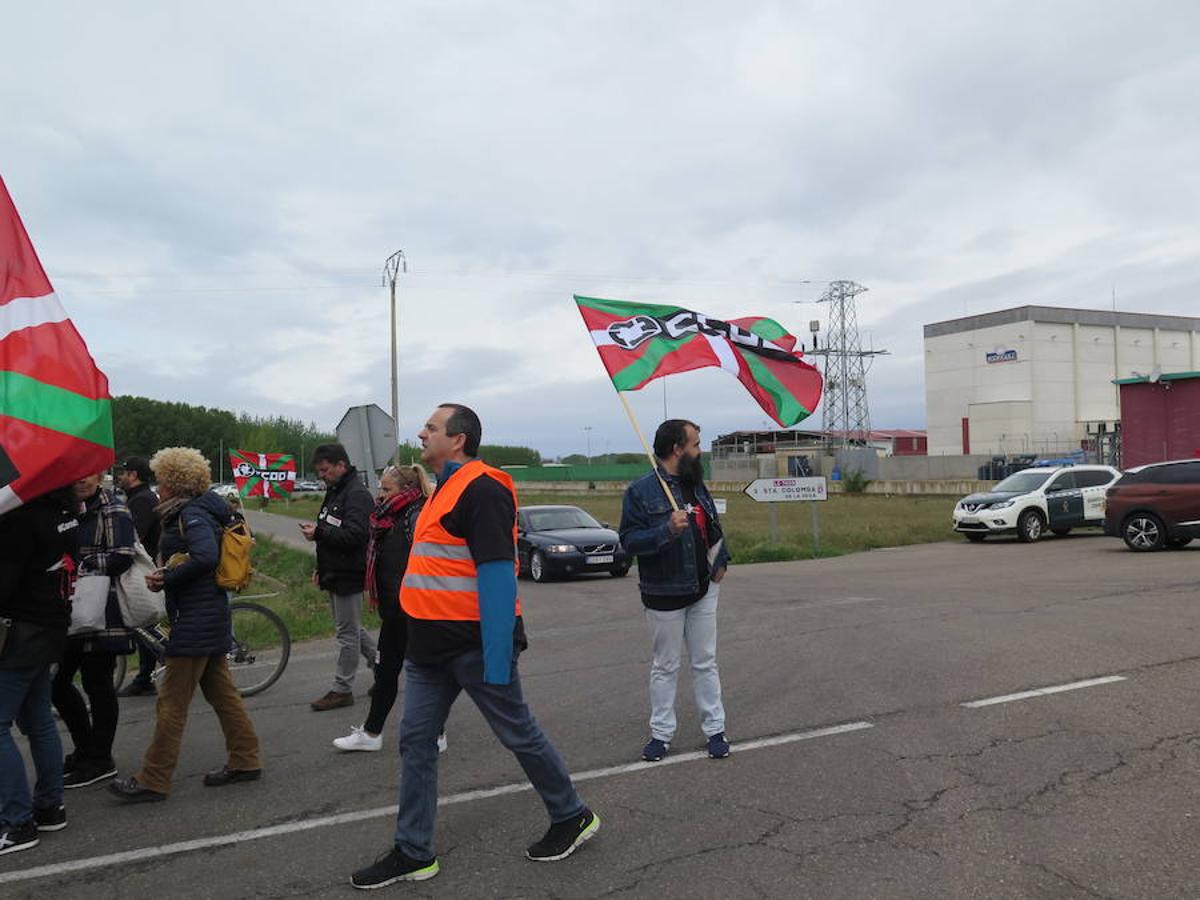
1033 501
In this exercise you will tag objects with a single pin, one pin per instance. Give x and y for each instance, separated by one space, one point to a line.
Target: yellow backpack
234 570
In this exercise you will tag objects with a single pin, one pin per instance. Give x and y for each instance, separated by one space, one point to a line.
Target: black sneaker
88 771
392 867
718 746
51 818
14 838
655 750
563 837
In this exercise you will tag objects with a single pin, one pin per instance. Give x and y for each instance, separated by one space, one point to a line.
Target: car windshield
564 517
1023 482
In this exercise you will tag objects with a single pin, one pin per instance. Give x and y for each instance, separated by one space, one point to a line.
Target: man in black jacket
341 532
38 552
133 477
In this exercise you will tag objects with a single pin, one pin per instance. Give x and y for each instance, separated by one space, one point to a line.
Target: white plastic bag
88 604
140 606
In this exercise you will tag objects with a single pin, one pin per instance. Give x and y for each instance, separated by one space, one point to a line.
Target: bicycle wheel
261 647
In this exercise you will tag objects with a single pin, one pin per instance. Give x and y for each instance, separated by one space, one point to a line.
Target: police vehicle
1033 501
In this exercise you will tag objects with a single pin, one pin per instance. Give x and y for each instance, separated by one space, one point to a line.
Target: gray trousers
353 640
695 626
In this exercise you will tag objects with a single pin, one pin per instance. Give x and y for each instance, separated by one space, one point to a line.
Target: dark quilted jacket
197 608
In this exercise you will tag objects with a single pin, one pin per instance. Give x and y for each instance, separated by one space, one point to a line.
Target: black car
565 540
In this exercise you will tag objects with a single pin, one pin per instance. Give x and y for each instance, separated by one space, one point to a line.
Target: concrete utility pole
845 418
392 267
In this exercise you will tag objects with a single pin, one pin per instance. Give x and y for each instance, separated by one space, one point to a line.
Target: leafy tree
142 425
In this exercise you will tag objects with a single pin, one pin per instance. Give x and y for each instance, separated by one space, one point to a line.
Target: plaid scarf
105 531
383 519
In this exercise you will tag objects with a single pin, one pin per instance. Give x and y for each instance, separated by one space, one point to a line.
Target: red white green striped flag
263 474
639 342
55 410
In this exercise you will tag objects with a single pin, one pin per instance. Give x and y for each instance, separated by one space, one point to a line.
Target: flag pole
649 454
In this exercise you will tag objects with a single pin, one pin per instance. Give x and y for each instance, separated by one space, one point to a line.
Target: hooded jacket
197 608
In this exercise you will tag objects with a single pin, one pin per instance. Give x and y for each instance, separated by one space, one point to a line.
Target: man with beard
681 561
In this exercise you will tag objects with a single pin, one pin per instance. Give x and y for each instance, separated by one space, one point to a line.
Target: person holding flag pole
668 518
55 427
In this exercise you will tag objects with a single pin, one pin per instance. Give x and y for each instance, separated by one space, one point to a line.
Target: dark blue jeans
429 692
25 700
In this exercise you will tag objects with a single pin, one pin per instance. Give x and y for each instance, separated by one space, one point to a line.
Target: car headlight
561 548
1003 504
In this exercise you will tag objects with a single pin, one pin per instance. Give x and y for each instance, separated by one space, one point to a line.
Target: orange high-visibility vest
440 582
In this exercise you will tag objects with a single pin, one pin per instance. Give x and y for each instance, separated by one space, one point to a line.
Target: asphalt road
1083 793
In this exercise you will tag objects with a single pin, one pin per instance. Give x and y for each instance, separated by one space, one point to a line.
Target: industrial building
1161 417
1043 379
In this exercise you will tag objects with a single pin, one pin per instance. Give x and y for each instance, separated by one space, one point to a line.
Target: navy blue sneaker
655 750
718 747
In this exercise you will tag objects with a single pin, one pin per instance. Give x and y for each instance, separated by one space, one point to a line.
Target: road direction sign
369 436
783 490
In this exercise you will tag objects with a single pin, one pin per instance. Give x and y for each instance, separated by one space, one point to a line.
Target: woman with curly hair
193 518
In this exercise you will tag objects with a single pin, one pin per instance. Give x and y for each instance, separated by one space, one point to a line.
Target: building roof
876 434
1165 376
1062 315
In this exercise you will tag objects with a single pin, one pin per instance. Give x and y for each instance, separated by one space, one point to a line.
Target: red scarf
383 519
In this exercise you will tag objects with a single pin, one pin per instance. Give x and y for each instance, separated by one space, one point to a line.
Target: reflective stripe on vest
440 581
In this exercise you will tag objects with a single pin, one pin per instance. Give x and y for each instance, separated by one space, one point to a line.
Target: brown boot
332 700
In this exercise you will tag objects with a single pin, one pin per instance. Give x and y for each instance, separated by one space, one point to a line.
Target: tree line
142 425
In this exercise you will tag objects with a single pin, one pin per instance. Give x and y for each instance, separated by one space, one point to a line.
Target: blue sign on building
1000 356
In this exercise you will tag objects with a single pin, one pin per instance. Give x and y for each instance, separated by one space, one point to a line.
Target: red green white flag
639 342
263 474
55 409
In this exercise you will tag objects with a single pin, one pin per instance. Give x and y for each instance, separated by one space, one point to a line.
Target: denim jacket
666 564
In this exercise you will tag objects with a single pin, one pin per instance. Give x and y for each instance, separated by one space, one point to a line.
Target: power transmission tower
845 417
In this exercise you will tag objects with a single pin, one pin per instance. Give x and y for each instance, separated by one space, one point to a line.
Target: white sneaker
442 742
358 739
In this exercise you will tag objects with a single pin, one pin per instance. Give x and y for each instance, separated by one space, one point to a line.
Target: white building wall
1053 422
957 375
1044 400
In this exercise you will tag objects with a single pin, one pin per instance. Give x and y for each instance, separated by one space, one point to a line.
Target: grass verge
286 571
848 523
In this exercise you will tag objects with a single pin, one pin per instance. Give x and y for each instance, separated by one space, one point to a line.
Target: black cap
138 465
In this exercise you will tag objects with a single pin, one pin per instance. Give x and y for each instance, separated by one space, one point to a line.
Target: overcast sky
213 188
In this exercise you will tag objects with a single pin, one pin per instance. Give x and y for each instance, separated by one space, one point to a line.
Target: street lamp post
588 431
392 267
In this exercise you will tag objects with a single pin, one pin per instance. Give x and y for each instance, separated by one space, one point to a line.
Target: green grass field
849 524
305 609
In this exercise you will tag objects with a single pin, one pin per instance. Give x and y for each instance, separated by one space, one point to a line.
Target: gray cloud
217 184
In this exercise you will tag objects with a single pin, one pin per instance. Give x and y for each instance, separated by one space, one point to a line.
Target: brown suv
1155 506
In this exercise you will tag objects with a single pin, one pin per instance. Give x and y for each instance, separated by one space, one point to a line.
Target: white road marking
382 812
1042 692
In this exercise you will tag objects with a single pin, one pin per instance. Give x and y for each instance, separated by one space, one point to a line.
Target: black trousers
93 735
393 639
